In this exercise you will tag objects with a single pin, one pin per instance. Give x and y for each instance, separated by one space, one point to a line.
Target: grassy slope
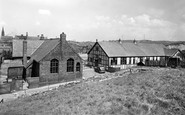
154 92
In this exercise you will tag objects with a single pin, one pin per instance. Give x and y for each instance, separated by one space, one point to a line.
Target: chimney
25 51
26 34
96 40
62 37
42 37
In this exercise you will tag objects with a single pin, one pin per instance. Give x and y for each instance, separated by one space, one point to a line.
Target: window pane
54 66
70 65
78 66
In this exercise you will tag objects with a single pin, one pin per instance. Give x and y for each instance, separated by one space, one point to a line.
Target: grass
157 91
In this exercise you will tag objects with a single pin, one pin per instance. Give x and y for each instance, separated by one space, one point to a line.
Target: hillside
151 91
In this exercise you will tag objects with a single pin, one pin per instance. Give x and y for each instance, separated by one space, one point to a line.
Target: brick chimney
62 37
25 50
62 42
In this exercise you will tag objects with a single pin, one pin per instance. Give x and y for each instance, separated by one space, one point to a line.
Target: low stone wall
33 82
113 69
4 88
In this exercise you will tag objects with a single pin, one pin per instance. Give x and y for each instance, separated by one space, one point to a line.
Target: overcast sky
88 20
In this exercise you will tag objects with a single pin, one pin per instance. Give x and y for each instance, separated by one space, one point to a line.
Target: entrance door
96 62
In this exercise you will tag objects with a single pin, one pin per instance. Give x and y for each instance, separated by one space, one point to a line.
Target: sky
88 20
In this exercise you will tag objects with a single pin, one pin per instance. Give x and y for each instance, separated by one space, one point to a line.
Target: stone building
54 61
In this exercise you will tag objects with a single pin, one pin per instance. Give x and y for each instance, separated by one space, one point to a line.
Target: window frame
78 66
70 65
123 60
54 66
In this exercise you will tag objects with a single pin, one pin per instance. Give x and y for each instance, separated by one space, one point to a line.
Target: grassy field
154 91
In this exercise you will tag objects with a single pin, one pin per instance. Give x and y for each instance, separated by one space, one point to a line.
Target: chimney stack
62 37
26 35
42 37
25 50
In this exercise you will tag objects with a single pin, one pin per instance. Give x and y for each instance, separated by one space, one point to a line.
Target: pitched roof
32 45
43 50
6 38
116 49
170 52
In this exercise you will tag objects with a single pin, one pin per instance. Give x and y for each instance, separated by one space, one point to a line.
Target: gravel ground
145 91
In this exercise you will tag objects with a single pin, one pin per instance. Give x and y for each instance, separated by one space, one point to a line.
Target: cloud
102 18
44 12
37 23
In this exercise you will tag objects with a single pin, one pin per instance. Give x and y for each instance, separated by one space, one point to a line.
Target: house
125 55
6 45
22 37
54 61
17 47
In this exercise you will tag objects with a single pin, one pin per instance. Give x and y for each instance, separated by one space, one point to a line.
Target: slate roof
43 50
6 38
125 49
170 52
32 45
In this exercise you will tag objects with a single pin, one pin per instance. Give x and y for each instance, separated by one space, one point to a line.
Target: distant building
22 37
2 32
5 45
125 55
54 61
17 45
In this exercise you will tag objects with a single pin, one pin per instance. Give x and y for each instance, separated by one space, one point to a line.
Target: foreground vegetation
154 91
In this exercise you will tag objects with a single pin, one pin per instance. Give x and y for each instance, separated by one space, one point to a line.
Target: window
70 65
134 61
113 61
141 59
78 66
130 60
123 60
54 66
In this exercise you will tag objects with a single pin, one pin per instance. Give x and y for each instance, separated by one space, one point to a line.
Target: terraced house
124 54
54 61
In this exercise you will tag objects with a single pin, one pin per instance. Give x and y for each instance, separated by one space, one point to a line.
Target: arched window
54 66
78 66
70 65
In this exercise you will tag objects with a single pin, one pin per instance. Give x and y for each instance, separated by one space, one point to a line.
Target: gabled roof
125 49
43 50
170 52
32 45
